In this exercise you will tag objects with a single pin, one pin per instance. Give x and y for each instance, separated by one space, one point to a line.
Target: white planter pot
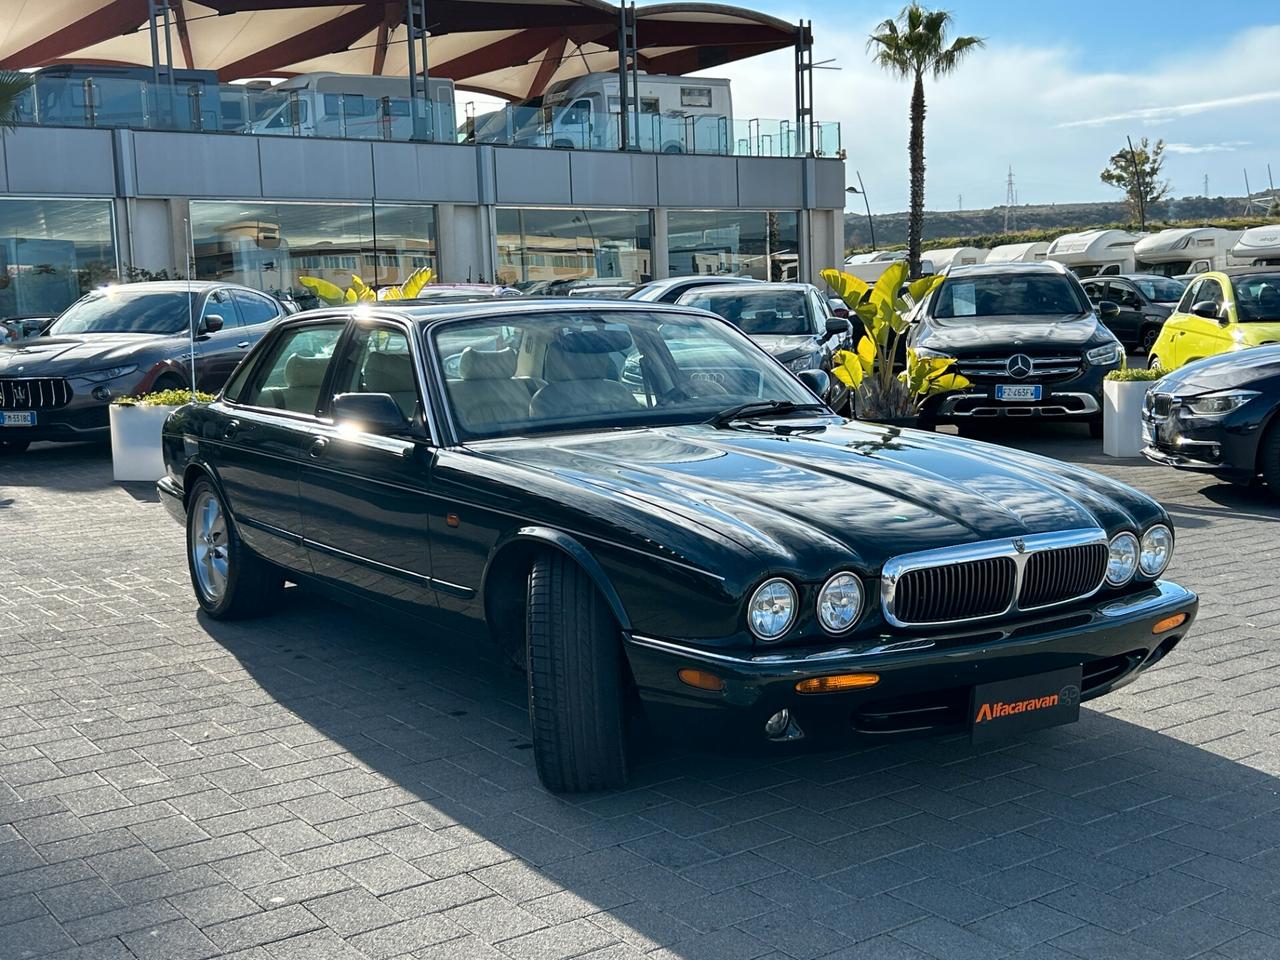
1122 417
135 442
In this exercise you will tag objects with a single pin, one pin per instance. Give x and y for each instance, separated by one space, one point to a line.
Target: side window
1210 290
219 303
254 308
1123 294
290 375
1096 291
377 360
1191 296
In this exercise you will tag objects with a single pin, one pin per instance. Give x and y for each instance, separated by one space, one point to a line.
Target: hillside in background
985 228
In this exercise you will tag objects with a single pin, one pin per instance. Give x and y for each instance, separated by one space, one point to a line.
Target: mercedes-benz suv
1026 338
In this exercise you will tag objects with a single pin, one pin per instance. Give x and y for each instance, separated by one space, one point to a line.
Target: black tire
1269 459
168 381
12 448
577 703
251 586
1095 428
1153 363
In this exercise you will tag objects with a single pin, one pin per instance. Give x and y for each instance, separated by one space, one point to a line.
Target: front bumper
172 496
925 678
1078 397
82 419
1225 447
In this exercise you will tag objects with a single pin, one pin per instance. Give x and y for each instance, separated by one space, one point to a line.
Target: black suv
1026 337
119 341
1143 301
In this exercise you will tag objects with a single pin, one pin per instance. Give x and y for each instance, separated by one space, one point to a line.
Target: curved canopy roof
509 48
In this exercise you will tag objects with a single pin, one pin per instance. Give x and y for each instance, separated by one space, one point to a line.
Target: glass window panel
551 251
760 244
51 253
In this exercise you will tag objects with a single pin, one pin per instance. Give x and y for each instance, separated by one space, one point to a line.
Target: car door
257 314
217 353
365 497
270 415
1127 325
1203 336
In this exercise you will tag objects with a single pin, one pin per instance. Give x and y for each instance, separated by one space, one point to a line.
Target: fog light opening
782 727
103 394
838 682
1169 623
700 679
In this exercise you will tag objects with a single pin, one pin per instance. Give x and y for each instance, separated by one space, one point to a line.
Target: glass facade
540 249
268 246
760 244
51 252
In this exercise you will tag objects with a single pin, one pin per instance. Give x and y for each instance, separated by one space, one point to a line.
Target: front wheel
231 581
576 691
1269 459
1153 363
11 448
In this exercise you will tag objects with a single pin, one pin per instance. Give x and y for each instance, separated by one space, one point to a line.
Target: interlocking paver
323 783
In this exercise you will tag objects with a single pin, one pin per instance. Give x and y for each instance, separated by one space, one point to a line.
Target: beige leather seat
393 373
302 379
578 382
488 395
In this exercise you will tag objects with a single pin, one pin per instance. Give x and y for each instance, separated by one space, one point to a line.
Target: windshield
592 369
1160 290
1257 297
1008 295
767 312
118 310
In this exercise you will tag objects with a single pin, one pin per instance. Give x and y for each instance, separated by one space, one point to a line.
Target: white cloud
1192 148
1156 114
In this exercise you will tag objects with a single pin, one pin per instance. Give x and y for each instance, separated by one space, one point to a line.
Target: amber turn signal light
701 679
838 682
1168 623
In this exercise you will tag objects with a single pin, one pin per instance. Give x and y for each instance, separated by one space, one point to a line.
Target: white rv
1094 252
955 257
1018 252
1258 245
877 256
870 270
361 107
676 115
1173 253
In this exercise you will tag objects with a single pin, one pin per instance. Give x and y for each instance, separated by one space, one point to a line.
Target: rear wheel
11 448
576 691
231 581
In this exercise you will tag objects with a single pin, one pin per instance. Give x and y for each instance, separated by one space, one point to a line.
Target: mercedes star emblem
1019 366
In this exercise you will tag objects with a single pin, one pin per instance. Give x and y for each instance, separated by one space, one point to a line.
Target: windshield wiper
762 408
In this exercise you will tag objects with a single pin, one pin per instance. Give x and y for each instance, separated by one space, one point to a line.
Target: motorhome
955 257
1018 252
362 107
1258 246
1094 252
876 256
870 271
118 95
1172 253
675 115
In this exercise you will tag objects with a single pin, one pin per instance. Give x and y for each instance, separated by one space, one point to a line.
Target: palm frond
13 84
947 61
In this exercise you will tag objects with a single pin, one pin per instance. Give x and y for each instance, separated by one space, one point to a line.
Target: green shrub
165 398
1135 374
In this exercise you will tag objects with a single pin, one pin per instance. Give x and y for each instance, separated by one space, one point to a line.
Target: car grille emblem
1019 366
20 394
1019 544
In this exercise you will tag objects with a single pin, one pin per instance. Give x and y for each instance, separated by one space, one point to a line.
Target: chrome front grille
1159 404
997 368
981 580
34 393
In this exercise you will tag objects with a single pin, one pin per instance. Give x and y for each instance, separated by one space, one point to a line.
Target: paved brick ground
322 785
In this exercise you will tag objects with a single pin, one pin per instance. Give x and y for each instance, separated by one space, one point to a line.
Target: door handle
318 447
231 429
243 344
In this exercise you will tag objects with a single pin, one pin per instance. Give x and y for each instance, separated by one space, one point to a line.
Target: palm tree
909 47
13 84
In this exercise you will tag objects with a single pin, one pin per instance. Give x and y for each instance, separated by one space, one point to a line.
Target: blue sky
1054 94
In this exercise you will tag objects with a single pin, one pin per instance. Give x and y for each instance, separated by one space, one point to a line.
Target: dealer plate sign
1010 707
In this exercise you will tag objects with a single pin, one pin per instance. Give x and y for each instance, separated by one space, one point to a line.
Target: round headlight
1157 550
772 610
1122 559
840 602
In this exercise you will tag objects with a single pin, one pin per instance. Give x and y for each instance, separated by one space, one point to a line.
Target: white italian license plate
18 418
1017 391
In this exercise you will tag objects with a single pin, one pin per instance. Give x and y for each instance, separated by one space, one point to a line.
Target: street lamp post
863 191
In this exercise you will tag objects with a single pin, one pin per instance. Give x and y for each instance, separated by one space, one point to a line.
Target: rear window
783 313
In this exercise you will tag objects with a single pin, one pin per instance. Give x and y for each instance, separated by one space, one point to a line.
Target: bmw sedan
124 341
723 555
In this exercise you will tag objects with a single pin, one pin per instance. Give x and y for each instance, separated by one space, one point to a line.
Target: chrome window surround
895 567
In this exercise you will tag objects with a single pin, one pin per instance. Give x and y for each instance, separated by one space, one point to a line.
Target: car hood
784 346
1222 372
62 356
806 494
1009 333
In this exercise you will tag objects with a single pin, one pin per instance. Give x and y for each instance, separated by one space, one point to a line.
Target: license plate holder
1013 392
1009 707
18 418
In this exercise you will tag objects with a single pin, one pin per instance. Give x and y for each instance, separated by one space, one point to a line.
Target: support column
659 252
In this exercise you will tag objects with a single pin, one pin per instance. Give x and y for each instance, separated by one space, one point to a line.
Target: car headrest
765 316
388 372
487 364
563 364
300 371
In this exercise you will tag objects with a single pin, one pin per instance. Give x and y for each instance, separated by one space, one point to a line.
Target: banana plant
359 291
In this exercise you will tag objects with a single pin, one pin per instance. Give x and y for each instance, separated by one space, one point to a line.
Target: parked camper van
1172 253
360 107
956 257
870 270
1258 246
1095 252
100 95
676 115
1018 252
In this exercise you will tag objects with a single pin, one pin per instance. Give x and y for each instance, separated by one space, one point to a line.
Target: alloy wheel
209 553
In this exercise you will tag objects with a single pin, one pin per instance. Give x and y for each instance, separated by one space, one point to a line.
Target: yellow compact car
1221 311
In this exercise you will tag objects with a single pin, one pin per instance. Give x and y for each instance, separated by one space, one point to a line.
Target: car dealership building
137 150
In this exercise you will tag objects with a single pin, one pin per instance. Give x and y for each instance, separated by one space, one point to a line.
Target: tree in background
915 44
13 84
1137 172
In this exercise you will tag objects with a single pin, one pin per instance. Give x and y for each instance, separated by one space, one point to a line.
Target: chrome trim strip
895 567
779 659
1089 405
